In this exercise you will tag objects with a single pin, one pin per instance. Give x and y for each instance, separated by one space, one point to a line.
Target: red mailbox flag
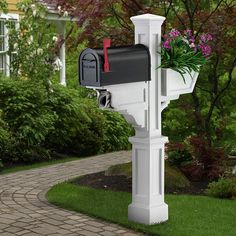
106 44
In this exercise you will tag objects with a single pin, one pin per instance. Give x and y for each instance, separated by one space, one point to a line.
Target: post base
148 215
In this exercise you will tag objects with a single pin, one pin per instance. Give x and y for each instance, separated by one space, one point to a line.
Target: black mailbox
126 65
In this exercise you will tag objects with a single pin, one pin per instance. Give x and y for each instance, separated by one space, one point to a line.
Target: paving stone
43 231
66 226
88 233
13 229
75 229
24 209
94 223
3 226
19 224
120 231
109 228
74 217
92 228
71 222
63 232
32 234
53 222
7 234
6 221
107 233
80 225
23 232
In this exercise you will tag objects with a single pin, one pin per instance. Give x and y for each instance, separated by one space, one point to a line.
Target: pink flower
209 37
188 32
174 33
206 37
205 49
203 38
166 45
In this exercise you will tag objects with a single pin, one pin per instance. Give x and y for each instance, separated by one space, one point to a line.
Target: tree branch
209 16
179 18
205 90
213 104
120 20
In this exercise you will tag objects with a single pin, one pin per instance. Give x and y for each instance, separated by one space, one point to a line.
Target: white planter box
172 83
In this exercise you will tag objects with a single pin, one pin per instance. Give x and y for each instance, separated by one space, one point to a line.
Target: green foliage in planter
185 52
117 132
223 188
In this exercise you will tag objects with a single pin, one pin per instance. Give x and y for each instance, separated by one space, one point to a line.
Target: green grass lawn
189 215
13 169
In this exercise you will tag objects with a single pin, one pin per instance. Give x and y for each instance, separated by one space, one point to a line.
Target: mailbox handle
106 44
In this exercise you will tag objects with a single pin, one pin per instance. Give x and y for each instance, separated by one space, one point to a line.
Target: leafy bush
224 188
34 44
28 120
79 124
178 154
196 158
179 157
210 157
34 122
117 132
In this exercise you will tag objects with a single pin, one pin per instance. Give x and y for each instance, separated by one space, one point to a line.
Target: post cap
147 17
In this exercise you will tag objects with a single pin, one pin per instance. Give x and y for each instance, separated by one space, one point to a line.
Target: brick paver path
24 209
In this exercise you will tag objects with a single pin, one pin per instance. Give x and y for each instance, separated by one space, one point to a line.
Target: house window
4 38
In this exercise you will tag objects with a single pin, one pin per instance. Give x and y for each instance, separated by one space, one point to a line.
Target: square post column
148 204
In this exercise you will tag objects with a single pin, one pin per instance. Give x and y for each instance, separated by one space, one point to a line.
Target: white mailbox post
142 103
148 204
148 144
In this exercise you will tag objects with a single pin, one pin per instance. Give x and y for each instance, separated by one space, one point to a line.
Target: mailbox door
89 68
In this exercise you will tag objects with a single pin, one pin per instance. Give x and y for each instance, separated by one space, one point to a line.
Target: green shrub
28 120
178 154
36 123
117 132
179 157
79 124
223 188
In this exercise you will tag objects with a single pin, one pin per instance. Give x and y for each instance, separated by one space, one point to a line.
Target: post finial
147 17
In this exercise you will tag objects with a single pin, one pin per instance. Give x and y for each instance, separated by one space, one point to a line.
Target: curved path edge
24 209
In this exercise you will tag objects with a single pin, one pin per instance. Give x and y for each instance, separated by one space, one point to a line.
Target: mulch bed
121 183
